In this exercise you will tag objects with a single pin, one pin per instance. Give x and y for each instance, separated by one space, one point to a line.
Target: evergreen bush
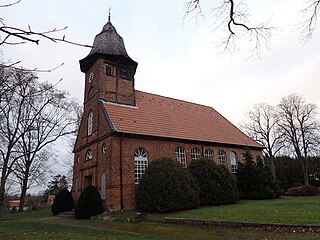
255 180
305 190
63 202
165 187
216 184
89 203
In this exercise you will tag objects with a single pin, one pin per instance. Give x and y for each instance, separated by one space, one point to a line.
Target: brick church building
123 129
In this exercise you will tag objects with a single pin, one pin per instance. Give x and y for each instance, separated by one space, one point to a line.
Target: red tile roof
159 116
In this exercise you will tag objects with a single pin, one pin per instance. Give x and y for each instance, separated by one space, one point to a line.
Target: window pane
181 156
234 162
195 154
222 157
140 163
208 154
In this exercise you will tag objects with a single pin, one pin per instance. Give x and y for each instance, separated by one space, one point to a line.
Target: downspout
121 181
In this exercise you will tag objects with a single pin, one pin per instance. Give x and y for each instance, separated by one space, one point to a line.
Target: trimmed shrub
216 184
255 180
63 202
89 204
165 187
305 190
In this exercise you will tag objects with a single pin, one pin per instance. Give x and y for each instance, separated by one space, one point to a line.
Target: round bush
63 202
216 184
165 187
89 203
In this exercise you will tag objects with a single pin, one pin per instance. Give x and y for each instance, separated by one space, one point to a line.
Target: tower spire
109 16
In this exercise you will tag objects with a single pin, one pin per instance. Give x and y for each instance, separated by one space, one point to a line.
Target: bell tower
109 71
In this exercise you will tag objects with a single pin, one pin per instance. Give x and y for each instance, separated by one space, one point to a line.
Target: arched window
140 164
233 162
90 122
89 155
181 156
208 153
78 159
103 186
195 154
222 157
104 148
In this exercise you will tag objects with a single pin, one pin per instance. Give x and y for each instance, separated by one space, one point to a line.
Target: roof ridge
180 100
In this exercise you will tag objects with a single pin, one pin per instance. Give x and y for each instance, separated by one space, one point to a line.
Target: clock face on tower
91 77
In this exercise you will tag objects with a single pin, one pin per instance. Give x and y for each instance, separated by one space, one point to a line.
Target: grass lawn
41 225
285 210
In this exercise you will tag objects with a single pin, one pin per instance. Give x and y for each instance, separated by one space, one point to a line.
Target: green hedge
89 203
216 184
63 202
165 187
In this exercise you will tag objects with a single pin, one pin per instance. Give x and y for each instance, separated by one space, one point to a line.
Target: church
124 129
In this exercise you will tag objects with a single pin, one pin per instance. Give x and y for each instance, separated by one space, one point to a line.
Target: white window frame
112 73
233 162
195 154
140 164
208 153
181 156
104 148
89 155
90 122
222 157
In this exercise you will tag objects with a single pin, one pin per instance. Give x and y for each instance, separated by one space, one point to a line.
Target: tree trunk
22 198
272 168
2 186
2 197
24 186
304 163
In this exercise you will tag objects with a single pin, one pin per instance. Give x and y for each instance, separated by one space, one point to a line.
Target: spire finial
109 17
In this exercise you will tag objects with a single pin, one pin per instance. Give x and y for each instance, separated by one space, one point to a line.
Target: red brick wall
109 163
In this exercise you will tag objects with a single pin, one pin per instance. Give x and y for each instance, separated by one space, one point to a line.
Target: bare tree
30 172
233 18
14 95
46 118
34 116
13 35
262 127
300 127
309 19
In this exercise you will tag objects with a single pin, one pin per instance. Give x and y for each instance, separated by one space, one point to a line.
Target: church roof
160 116
107 44
108 41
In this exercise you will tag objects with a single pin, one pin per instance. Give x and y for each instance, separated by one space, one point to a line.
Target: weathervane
109 17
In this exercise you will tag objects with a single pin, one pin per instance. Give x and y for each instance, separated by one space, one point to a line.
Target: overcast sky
177 58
